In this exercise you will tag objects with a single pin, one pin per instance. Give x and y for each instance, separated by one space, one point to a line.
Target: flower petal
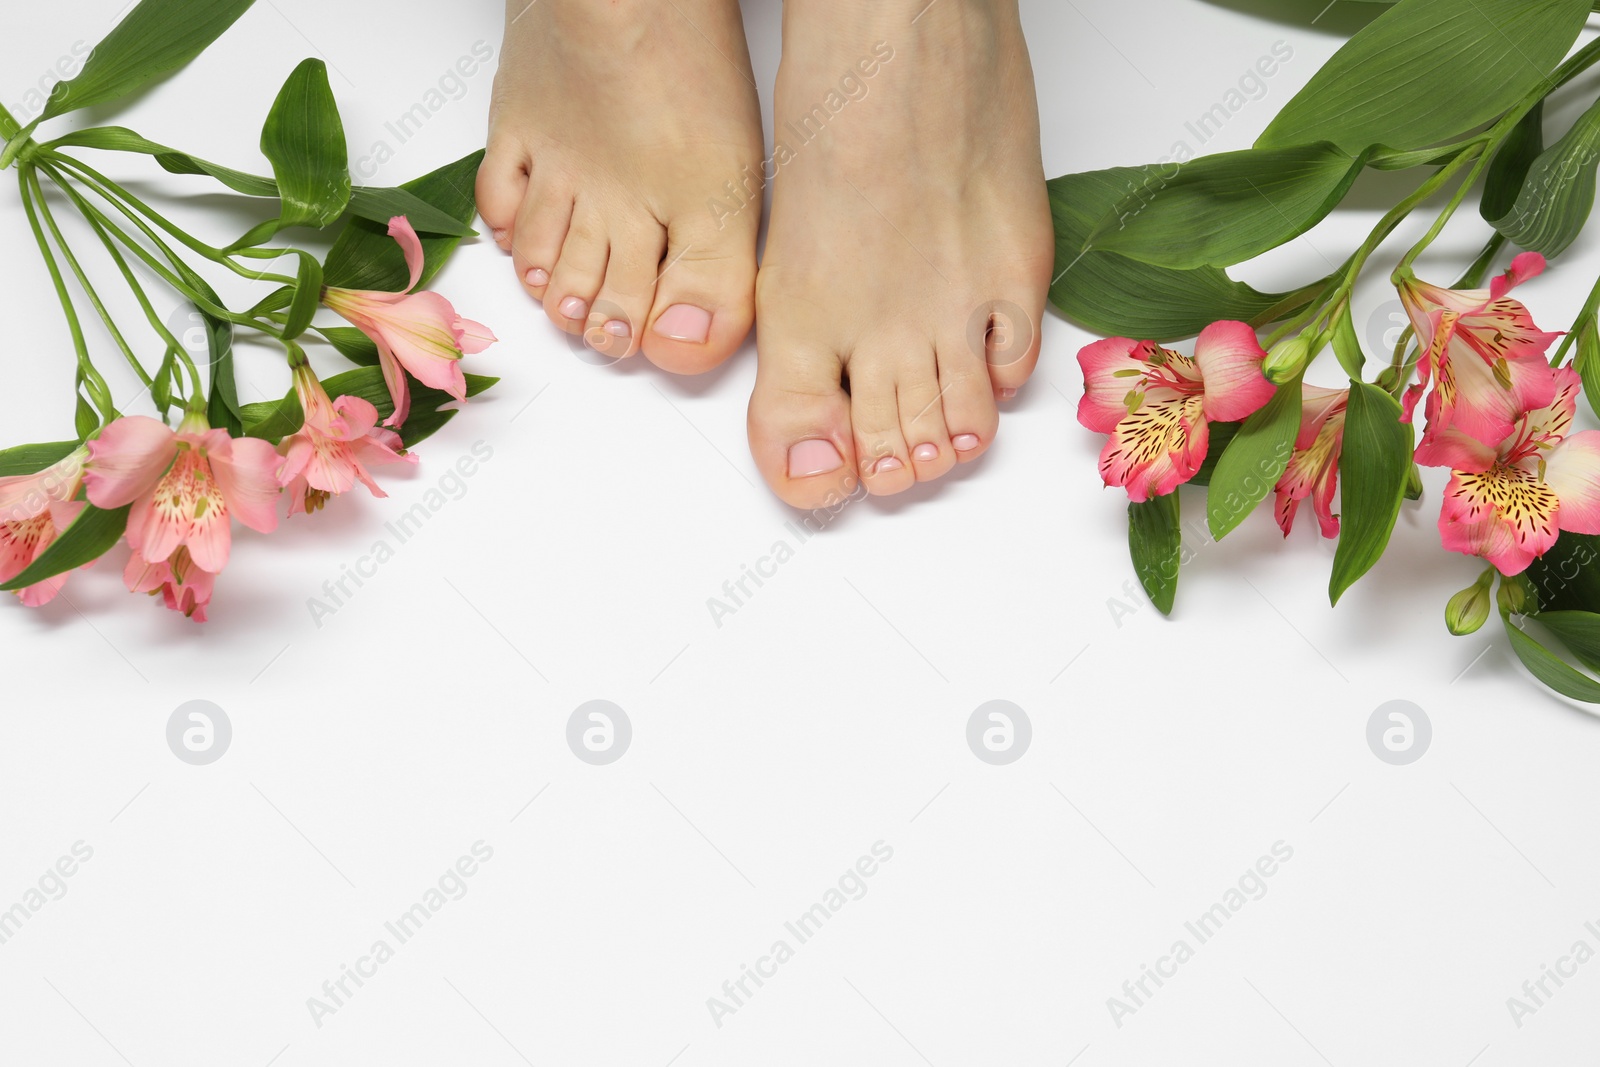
1229 358
1506 515
1525 268
1158 447
401 230
245 469
127 460
1572 470
1111 370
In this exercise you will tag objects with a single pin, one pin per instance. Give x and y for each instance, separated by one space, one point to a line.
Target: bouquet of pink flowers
1143 251
172 485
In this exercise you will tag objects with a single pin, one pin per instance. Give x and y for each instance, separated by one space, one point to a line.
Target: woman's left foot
910 246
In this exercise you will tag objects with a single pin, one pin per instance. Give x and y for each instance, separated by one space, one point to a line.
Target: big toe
705 295
799 425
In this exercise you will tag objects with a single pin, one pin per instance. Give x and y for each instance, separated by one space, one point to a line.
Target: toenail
965 442
1007 394
685 322
926 453
618 328
888 465
538 277
574 308
500 235
810 458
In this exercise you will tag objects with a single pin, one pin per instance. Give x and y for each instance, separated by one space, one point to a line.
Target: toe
968 399
799 426
1005 333
622 307
538 234
882 458
921 405
705 297
502 188
575 280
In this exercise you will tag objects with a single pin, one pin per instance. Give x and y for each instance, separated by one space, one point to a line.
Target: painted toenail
965 442
1007 394
888 465
687 323
574 308
618 328
810 458
538 277
926 453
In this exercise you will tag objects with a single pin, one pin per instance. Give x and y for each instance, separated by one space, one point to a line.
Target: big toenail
618 328
808 459
538 277
574 308
888 465
1008 394
926 453
965 442
687 323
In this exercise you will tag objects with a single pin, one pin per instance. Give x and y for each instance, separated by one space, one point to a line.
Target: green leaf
352 344
1155 541
1347 346
273 420
304 139
1509 171
1254 460
1578 630
1225 209
31 459
1558 196
121 139
89 537
1567 578
307 297
1427 71
1112 294
381 205
222 403
156 37
365 257
1551 669
84 419
1374 469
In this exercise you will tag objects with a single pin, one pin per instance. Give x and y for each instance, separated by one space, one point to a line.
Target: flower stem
1590 306
100 224
127 203
83 279
99 392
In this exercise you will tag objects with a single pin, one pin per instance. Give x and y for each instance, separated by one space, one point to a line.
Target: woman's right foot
623 137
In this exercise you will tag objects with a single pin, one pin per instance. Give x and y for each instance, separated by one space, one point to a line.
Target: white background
827 714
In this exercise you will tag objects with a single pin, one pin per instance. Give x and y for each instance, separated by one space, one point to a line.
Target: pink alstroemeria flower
182 585
1509 504
1158 405
34 509
331 450
1482 352
1313 469
185 486
419 333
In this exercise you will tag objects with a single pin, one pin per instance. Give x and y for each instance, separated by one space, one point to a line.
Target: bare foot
910 246
614 131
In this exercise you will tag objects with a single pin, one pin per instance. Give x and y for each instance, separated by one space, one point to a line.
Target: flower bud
1287 359
1516 596
1468 610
